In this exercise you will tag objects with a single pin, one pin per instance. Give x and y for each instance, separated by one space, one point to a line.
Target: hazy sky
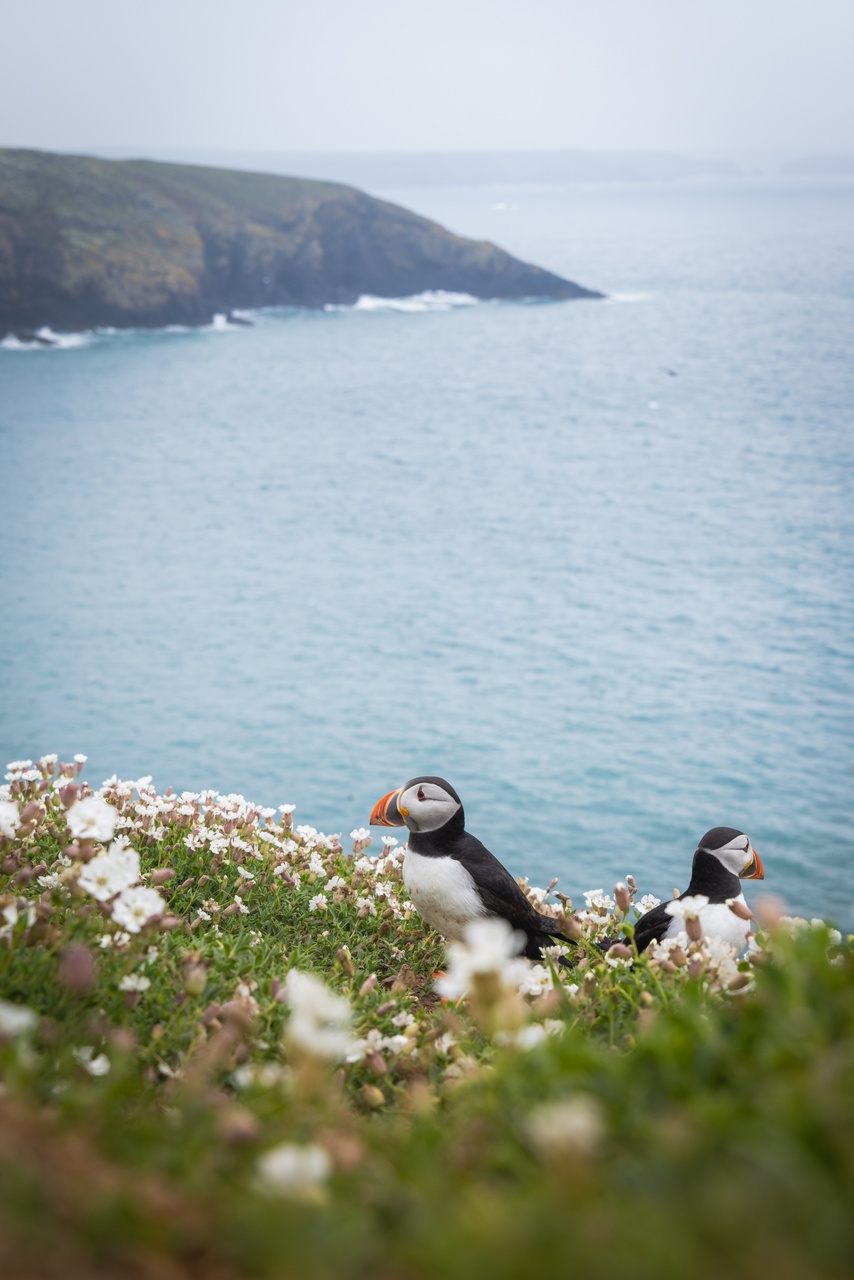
715 76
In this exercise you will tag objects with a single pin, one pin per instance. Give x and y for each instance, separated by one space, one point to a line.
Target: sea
592 562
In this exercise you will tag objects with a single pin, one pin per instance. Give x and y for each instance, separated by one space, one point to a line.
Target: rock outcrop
87 242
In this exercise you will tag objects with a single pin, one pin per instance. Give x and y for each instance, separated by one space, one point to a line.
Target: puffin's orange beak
386 812
754 869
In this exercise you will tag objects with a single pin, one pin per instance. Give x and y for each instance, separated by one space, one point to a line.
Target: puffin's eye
420 794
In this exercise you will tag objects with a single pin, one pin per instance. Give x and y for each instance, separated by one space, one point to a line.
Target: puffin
450 876
724 858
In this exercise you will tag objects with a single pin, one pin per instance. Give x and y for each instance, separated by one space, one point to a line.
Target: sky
711 77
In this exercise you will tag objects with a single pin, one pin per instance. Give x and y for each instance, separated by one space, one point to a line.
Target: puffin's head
422 804
735 851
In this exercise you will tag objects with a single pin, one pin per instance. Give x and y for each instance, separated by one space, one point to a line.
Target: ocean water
592 562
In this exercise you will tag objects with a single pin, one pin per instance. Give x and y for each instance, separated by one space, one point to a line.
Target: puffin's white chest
718 922
443 891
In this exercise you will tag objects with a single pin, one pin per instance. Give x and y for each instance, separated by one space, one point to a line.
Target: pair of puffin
453 879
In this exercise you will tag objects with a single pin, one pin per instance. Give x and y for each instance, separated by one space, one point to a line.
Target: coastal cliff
87 242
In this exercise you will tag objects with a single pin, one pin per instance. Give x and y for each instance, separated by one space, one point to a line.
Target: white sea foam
627 297
430 300
45 339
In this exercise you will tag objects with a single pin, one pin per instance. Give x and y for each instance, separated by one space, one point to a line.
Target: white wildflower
286 808
10 818
337 882
490 947
134 982
135 907
15 1019
646 903
389 841
315 864
81 759
573 1127
96 1065
92 819
319 902
295 1171
525 1038
319 1024
536 980
687 907
110 872
360 833
598 900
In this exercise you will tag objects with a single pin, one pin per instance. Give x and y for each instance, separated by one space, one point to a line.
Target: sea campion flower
110 872
15 1020
490 951
298 1172
319 1025
687 906
135 907
92 819
95 1064
134 982
10 819
572 1128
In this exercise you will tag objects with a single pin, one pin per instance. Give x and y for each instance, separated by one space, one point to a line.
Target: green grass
660 1127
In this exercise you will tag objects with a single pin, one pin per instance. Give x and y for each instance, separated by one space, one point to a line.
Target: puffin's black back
497 888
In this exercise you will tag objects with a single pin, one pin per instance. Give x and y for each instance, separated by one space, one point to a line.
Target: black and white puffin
724 858
450 876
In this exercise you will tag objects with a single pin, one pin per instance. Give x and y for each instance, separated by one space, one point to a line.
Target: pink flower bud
739 908
621 951
622 897
375 1063
693 928
633 884
769 909
739 982
162 875
77 970
368 985
68 794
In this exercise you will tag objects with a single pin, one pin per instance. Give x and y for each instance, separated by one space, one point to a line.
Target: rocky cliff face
87 242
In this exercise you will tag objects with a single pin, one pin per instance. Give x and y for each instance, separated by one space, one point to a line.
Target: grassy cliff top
223 1054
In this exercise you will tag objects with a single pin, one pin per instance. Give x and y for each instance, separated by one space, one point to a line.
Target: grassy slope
711 1133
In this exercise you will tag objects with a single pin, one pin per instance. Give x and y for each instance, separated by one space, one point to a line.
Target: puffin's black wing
652 926
502 896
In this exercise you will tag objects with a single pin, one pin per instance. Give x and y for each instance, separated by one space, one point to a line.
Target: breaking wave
45 339
430 300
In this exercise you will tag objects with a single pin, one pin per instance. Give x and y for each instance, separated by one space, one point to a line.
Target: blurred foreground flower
15 1019
570 1129
488 968
10 818
299 1172
318 1032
